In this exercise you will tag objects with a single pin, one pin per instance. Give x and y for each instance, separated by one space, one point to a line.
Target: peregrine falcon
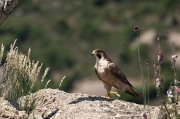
111 75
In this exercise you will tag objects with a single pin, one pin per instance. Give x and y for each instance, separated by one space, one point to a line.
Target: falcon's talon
113 92
108 96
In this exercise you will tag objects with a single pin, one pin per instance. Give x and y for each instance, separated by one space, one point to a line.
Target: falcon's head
98 53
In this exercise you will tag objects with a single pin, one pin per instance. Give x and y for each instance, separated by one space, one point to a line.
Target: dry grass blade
18 75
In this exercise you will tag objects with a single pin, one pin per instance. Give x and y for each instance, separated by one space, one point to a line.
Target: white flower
176 81
158 58
157 80
158 84
169 94
174 56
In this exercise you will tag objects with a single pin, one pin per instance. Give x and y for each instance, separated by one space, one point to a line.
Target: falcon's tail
132 92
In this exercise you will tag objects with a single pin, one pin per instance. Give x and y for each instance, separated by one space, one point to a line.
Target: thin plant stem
162 98
144 87
148 84
175 79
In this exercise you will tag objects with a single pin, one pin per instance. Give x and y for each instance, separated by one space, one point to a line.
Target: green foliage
89 31
125 56
31 6
144 50
99 2
62 27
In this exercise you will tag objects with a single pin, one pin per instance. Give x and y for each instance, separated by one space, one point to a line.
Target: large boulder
56 104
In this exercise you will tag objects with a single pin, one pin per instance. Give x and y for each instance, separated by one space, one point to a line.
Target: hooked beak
94 53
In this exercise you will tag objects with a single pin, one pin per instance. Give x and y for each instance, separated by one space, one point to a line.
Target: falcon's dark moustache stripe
99 56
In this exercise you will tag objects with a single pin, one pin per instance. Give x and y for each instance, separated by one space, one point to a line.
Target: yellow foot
108 96
112 92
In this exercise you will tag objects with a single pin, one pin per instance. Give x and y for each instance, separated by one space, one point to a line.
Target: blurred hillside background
63 33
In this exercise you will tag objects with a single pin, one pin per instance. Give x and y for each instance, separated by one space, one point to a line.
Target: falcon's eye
99 52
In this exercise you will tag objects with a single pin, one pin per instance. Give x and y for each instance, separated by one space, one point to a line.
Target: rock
9 109
56 104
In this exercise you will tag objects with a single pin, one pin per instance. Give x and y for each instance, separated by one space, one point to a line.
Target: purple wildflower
160 56
147 61
136 28
145 116
178 90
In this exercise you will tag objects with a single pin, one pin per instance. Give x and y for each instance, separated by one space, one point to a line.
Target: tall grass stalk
18 77
61 81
